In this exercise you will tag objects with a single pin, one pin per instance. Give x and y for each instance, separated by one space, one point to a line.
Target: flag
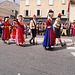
68 6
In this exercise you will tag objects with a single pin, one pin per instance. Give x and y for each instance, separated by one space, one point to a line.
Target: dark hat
20 16
51 12
6 17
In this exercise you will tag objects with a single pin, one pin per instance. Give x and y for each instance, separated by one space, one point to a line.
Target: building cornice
10 2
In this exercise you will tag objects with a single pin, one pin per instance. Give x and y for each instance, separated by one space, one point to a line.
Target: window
63 1
26 12
16 13
38 12
11 16
63 12
38 2
12 10
74 8
50 2
74 17
13 0
27 2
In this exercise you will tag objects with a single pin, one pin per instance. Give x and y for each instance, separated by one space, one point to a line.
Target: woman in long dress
49 39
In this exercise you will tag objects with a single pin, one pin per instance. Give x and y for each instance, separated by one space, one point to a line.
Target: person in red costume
6 31
49 39
19 34
14 27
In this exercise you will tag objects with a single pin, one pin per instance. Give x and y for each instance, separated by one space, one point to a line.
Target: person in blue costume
49 39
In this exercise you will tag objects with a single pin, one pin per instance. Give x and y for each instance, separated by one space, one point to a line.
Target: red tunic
73 33
49 22
6 34
13 31
20 32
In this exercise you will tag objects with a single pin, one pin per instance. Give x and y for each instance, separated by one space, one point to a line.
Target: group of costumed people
18 31
52 31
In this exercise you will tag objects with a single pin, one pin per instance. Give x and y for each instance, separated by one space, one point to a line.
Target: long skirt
5 34
13 33
73 34
49 39
19 37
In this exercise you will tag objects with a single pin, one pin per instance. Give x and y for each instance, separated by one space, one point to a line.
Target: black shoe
30 41
51 48
62 45
34 44
56 44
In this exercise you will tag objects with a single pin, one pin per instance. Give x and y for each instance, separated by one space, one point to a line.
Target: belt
6 26
22 28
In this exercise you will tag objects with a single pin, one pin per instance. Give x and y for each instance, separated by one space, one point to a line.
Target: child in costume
14 27
19 33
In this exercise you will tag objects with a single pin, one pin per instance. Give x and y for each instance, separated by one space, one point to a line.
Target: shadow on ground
57 48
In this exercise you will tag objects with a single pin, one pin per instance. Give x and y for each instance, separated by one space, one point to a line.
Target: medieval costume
33 30
73 28
6 31
57 26
49 39
19 33
13 27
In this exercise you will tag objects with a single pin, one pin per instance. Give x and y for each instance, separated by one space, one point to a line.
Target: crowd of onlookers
67 29
40 28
